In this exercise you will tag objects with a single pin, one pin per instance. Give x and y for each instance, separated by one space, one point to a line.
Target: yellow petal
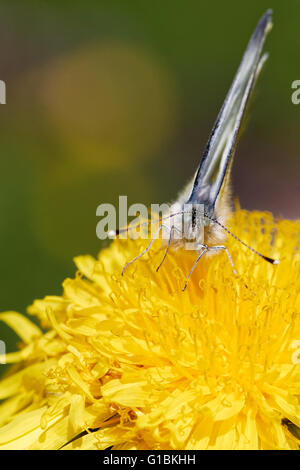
74 375
12 383
76 413
24 328
225 438
20 426
18 356
11 406
131 394
224 406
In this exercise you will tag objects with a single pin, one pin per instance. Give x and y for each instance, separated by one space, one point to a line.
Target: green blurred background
106 98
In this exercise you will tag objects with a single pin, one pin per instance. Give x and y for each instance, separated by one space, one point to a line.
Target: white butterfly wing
220 148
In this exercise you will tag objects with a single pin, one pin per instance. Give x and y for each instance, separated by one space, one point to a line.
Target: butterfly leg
222 247
205 249
146 249
173 228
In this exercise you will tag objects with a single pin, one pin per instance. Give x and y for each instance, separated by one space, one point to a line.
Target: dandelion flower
134 362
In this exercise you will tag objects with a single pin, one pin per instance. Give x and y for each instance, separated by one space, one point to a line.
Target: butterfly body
194 221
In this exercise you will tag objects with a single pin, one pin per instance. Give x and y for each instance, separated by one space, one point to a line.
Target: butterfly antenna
115 233
266 258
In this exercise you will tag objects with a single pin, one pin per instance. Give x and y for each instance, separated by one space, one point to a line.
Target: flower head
134 362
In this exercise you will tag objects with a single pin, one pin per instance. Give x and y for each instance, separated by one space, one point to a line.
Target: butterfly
200 212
